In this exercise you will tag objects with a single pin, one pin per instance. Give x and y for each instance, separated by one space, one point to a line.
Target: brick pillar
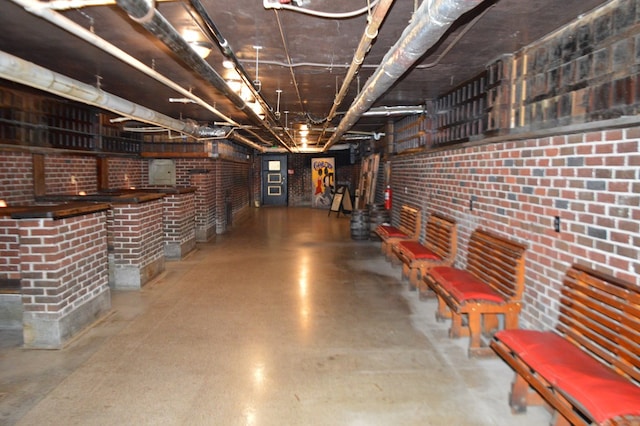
137 255
205 205
64 277
179 224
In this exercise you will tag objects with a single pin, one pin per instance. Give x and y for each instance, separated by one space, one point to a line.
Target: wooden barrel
360 225
377 216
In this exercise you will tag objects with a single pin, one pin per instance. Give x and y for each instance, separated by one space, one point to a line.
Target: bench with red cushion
490 285
408 228
439 248
588 368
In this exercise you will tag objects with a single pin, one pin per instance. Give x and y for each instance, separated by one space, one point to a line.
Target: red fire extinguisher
387 198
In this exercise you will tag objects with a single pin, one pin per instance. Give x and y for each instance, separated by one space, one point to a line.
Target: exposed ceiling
297 61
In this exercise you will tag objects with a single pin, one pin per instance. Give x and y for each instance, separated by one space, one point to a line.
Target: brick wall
128 172
67 175
179 224
590 180
16 176
9 251
64 263
137 253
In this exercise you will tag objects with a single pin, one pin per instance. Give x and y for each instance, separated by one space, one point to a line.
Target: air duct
430 21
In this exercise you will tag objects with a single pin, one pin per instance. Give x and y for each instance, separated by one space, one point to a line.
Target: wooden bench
408 228
588 369
439 249
491 285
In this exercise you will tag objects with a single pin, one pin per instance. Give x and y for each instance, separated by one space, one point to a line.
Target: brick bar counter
136 254
62 254
179 218
135 235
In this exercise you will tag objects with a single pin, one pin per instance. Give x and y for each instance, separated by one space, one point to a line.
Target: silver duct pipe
429 23
146 15
388 111
370 33
29 74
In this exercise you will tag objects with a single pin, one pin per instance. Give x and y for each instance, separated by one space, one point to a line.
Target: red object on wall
387 198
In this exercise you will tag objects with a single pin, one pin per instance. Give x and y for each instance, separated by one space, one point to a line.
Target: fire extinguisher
387 198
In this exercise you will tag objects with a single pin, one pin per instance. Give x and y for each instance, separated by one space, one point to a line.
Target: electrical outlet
556 223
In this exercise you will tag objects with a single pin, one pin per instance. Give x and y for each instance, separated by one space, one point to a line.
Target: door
274 180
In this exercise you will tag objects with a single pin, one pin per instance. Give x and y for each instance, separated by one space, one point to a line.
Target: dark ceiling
297 61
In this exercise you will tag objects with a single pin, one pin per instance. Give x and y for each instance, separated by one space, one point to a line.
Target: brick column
179 224
137 253
63 277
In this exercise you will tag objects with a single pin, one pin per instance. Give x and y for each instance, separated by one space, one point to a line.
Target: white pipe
29 74
38 8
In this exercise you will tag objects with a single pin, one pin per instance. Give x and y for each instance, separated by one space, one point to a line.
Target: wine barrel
360 225
377 216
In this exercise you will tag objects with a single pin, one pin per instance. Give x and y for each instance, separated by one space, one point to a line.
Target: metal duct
370 33
429 23
146 15
29 74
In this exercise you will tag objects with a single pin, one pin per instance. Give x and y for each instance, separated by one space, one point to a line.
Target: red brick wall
178 217
128 172
16 178
61 170
137 233
64 262
590 180
9 250
200 173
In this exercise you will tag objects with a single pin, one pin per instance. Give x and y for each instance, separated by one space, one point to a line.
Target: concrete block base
131 277
11 311
44 331
176 251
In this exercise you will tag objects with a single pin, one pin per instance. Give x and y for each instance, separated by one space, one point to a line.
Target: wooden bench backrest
410 221
498 262
441 236
601 314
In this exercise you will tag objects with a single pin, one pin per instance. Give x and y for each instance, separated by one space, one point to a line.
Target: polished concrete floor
284 320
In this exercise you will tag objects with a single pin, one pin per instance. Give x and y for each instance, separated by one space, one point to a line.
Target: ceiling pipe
29 74
145 14
213 32
430 21
41 10
239 138
370 33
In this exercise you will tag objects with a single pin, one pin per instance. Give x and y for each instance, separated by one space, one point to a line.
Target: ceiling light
202 48
228 64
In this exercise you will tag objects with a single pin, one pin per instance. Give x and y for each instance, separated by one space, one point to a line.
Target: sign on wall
322 182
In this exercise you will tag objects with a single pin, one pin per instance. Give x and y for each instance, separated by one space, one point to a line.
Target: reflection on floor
284 320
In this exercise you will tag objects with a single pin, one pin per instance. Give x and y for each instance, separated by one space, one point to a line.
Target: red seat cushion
590 384
390 231
463 285
415 250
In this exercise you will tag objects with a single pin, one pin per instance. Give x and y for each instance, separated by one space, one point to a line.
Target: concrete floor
284 320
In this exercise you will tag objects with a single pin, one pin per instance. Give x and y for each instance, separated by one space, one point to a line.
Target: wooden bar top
137 197
54 211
